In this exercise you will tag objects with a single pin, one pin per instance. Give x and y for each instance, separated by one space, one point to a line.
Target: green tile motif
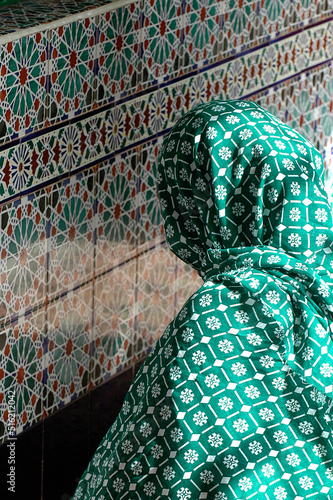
118 52
73 52
23 85
161 33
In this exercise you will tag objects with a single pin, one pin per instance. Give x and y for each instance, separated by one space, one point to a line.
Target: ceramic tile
93 138
31 163
66 362
178 102
116 211
45 157
187 283
113 334
117 127
281 17
21 368
158 106
137 120
150 225
203 32
23 85
155 296
68 147
264 67
70 243
72 56
23 255
161 38
17 170
216 83
118 53
272 18
198 86
48 157
32 13
239 24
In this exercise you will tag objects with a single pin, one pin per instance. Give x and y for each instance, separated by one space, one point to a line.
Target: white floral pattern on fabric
235 399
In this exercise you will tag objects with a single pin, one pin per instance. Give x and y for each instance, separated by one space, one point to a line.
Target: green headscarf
242 192
234 400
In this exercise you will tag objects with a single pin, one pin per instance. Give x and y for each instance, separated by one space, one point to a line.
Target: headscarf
243 198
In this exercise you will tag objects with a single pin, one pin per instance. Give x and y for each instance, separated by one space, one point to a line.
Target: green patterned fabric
234 401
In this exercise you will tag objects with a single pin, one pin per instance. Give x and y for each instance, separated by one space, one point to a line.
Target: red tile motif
203 32
161 36
84 109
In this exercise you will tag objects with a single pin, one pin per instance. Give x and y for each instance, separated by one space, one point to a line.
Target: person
235 399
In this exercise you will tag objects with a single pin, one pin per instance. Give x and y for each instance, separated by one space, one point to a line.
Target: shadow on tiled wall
52 456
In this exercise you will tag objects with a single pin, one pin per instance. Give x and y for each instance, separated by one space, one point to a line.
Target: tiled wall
87 284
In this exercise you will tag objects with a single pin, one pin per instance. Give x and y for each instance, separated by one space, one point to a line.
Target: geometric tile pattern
31 13
155 296
21 367
203 32
116 211
269 18
72 91
23 83
67 344
113 333
150 226
118 47
71 233
61 72
71 69
161 36
23 256
84 106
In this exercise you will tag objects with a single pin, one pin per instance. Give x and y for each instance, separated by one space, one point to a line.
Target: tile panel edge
86 14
